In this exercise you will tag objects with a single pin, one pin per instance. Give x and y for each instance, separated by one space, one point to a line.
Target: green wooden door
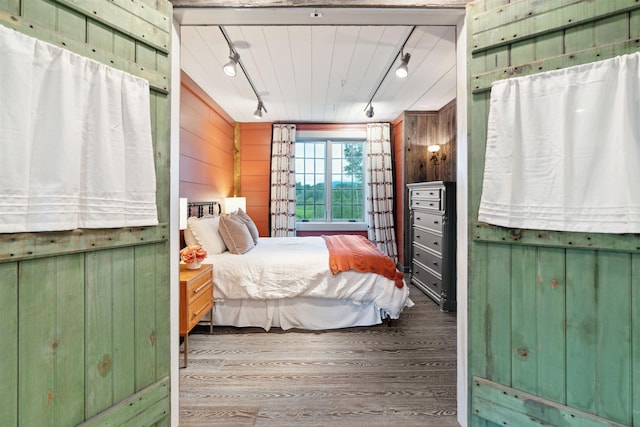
554 317
84 315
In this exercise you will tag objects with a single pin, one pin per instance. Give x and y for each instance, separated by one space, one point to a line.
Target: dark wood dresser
432 207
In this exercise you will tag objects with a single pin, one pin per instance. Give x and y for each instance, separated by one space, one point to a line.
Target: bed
288 282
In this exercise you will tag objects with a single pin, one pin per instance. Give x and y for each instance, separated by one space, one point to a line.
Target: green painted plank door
554 329
85 313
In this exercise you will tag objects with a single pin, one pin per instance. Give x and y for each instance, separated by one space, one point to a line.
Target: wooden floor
402 375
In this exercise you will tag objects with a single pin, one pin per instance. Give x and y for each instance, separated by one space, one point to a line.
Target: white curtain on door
380 197
76 141
563 149
283 181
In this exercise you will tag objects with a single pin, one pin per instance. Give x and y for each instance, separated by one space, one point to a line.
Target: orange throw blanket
355 252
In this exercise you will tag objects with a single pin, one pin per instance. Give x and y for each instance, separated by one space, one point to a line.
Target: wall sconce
232 204
435 158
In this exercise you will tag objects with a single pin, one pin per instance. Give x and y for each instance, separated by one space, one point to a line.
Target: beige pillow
251 226
235 234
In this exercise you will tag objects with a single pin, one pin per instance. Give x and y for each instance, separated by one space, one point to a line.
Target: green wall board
524 314
85 313
506 406
552 315
582 302
9 340
51 341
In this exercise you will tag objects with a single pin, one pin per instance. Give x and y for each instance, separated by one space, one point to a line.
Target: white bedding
289 267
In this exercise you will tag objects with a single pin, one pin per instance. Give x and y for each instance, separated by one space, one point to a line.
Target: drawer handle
435 222
435 243
201 287
417 236
418 218
196 313
435 263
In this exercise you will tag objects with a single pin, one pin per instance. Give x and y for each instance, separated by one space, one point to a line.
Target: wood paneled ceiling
322 65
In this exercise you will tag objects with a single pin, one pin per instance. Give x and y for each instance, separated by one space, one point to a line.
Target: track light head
369 112
230 67
403 70
258 113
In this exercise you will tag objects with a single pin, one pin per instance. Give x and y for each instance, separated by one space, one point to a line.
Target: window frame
328 137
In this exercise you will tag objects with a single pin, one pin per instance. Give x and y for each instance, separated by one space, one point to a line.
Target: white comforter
286 267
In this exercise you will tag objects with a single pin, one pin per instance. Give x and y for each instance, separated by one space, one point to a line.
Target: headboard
201 209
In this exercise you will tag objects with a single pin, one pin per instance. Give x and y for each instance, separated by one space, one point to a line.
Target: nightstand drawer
196 296
198 285
200 305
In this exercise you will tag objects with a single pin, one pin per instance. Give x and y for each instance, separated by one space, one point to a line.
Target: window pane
310 166
347 197
346 181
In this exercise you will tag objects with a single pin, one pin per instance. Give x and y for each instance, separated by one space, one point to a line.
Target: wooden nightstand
196 300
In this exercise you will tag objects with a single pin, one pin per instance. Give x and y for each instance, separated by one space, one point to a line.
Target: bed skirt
300 313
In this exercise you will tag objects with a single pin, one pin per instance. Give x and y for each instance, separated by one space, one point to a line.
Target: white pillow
189 238
205 231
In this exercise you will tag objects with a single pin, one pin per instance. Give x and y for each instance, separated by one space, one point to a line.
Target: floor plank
398 375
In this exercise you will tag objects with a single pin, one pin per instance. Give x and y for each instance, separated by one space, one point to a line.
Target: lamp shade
232 204
183 213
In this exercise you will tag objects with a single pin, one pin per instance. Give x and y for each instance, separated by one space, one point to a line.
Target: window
329 180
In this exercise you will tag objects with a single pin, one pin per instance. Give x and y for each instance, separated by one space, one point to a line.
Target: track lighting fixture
230 67
369 111
403 70
258 113
230 70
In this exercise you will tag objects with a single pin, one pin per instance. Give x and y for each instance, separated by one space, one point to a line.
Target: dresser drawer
426 279
427 194
435 204
428 259
432 221
428 239
196 286
200 304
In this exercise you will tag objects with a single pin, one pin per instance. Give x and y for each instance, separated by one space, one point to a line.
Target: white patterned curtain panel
380 201
563 149
283 181
76 141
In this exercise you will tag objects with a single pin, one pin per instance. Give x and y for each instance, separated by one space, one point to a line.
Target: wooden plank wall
412 133
206 146
85 313
255 172
552 314
397 135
